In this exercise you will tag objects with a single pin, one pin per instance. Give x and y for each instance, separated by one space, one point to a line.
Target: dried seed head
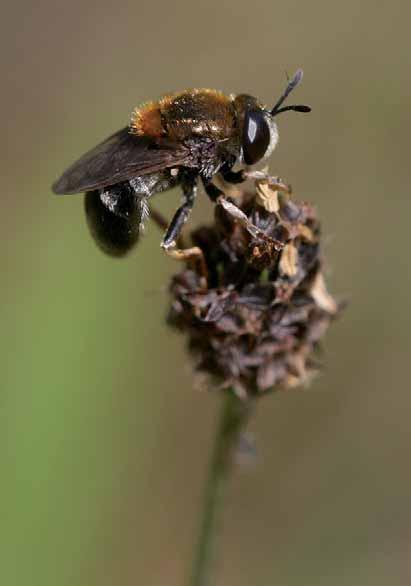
265 307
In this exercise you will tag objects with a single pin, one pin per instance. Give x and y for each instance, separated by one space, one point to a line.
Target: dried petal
321 296
267 197
289 260
306 232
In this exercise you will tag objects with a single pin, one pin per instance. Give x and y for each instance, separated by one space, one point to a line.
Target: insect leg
233 176
181 216
162 223
158 218
194 254
273 182
213 192
243 174
217 195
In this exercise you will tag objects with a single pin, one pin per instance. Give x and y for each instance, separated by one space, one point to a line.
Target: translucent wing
118 158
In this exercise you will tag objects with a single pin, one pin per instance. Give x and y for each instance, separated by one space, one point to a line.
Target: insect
178 140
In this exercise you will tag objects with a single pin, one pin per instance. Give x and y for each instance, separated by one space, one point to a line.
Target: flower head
256 317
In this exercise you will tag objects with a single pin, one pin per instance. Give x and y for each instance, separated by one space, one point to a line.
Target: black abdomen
115 230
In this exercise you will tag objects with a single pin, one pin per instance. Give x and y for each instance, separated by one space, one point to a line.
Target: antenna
291 85
296 108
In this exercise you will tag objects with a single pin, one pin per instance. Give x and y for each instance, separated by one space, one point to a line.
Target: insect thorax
193 113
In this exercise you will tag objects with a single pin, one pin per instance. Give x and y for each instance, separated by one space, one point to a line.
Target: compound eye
256 136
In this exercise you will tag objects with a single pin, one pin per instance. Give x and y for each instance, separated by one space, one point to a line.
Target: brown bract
255 326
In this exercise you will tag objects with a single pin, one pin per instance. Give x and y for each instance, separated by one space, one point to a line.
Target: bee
179 140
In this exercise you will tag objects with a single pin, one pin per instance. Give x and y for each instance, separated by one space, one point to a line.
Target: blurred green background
104 442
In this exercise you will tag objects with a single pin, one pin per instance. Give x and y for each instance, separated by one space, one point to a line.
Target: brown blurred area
106 444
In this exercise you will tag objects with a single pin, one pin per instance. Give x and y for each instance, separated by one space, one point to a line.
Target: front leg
213 192
274 182
217 196
233 176
243 174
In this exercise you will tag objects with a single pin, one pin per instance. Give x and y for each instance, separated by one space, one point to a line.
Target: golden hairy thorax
192 113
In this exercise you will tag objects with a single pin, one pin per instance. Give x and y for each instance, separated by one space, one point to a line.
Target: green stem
233 417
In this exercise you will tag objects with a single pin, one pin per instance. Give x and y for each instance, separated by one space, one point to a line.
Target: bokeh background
104 442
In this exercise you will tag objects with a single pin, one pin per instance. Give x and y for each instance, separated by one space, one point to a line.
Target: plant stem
232 420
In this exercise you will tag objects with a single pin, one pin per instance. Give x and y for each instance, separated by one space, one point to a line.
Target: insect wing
120 157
